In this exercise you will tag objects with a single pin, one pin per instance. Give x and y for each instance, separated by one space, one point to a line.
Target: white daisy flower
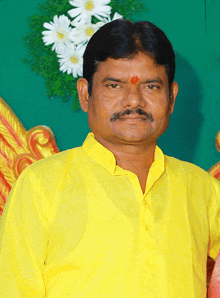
57 33
83 32
89 8
116 16
71 59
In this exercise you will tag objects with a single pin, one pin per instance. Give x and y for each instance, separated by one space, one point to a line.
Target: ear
174 92
83 94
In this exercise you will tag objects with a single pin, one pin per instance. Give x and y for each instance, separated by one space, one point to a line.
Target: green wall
194 30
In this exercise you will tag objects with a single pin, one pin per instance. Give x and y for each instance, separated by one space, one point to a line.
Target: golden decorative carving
215 170
20 148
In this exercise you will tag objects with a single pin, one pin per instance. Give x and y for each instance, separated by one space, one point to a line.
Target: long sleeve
23 241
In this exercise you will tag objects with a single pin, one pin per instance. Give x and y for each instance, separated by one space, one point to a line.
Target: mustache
116 116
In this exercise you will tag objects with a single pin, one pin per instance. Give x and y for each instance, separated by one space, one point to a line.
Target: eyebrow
156 80
106 79
147 81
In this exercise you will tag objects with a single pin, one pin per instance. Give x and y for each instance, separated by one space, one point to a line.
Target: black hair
124 39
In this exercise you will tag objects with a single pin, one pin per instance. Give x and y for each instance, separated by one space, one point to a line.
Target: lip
132 119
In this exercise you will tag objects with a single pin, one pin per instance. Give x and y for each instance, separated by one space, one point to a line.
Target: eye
149 87
113 86
153 87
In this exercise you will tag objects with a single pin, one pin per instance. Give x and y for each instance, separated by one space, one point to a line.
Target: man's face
130 101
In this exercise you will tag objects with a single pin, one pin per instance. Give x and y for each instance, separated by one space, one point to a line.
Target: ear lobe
83 94
174 92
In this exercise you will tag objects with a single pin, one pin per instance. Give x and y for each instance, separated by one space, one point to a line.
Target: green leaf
43 61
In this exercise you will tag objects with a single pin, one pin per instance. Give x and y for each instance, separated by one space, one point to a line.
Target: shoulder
45 181
176 164
200 187
57 161
189 171
53 168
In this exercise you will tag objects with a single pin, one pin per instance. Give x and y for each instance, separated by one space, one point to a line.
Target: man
115 217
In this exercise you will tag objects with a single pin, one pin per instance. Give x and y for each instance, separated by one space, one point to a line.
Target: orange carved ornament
20 148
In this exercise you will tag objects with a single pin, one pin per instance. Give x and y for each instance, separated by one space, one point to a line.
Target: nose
133 98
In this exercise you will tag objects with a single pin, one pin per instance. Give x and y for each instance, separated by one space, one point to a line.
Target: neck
134 158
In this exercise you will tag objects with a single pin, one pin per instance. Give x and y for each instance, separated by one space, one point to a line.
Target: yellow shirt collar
99 153
106 159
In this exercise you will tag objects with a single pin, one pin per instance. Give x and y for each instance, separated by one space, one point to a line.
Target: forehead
140 65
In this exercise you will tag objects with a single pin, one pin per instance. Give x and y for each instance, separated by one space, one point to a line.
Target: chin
133 138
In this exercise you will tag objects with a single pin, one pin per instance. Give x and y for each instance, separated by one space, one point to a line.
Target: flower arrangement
57 52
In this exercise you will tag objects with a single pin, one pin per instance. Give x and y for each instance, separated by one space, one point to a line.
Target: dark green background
194 30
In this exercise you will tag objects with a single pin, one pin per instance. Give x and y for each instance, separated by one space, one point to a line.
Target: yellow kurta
78 226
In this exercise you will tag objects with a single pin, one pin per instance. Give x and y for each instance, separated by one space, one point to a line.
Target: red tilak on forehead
134 80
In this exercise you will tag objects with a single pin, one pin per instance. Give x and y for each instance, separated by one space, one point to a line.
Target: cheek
102 113
161 112
100 110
